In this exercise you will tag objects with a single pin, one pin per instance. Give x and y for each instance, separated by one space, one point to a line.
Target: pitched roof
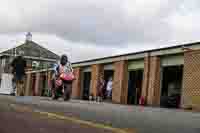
32 49
140 52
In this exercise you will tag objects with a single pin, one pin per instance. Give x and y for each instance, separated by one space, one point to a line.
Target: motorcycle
63 86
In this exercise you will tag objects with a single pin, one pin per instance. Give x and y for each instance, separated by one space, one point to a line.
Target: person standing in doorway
100 88
109 88
18 69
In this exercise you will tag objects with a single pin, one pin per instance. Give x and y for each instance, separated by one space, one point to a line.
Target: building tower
28 37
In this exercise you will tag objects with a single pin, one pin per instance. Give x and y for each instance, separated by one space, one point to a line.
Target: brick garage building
155 74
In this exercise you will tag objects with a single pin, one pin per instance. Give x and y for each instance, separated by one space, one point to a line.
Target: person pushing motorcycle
62 79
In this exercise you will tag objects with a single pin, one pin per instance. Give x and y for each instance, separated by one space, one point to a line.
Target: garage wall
191 78
86 69
108 67
136 64
172 60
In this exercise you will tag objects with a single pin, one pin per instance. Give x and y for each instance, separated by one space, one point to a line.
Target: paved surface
147 120
12 121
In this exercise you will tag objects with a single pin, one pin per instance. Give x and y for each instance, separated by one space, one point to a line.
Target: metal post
15 51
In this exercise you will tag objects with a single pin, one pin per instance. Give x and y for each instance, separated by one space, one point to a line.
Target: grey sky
95 28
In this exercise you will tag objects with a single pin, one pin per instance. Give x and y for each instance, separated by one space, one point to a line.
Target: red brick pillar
145 81
76 86
97 70
151 80
49 78
154 82
120 82
37 84
28 85
41 85
191 77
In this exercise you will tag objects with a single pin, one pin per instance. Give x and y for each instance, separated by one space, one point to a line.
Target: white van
7 86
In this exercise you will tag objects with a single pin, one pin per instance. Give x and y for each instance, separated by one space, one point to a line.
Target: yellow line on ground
72 119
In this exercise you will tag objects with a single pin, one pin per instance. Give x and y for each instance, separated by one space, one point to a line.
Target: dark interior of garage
86 85
135 86
171 86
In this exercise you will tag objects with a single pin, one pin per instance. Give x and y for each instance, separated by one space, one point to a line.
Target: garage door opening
135 86
86 85
171 86
108 77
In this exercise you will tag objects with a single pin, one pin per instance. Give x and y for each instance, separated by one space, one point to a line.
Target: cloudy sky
87 29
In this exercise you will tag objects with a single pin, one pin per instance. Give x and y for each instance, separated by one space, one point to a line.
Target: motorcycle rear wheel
67 93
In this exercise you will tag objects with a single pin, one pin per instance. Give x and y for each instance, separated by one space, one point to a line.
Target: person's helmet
63 59
64 56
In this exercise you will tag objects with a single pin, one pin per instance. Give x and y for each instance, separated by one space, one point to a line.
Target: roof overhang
179 49
31 57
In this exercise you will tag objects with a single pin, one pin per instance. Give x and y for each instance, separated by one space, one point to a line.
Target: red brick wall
145 80
120 83
154 81
97 70
191 78
28 85
49 77
76 86
37 84
151 80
